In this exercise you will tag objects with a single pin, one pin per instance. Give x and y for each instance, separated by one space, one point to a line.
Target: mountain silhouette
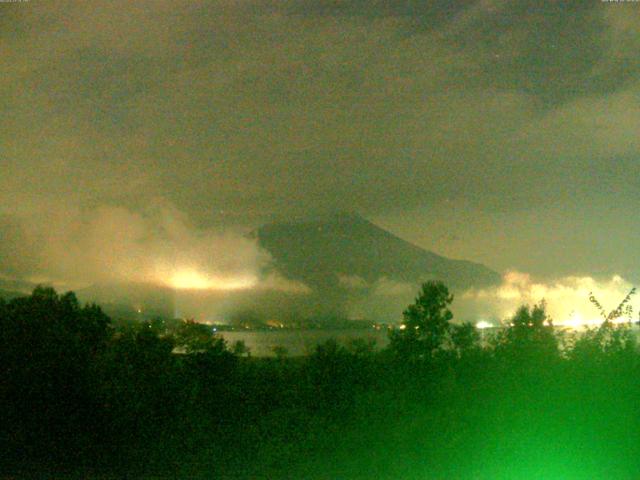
323 250
353 268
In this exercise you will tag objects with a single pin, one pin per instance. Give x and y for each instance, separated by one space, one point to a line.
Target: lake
303 342
299 342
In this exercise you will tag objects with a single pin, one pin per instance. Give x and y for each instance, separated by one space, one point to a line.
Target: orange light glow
190 279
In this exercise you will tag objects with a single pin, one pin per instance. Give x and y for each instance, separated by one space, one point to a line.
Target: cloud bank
157 245
496 130
567 299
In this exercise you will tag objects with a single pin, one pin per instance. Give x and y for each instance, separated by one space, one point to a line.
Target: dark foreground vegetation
81 398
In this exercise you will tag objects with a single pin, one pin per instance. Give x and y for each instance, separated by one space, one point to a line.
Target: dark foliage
426 327
81 398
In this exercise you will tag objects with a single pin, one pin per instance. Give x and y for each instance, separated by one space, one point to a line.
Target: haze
142 140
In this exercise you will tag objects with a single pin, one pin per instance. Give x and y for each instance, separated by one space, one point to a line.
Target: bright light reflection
567 298
190 279
577 321
482 325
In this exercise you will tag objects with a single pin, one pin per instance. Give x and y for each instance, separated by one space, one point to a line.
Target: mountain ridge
318 250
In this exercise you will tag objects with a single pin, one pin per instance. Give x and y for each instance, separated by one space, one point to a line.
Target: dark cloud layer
473 128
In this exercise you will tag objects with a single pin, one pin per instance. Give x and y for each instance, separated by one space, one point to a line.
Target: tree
426 326
49 348
605 342
193 337
465 339
240 349
529 338
280 352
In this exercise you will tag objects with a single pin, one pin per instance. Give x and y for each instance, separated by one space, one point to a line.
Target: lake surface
300 342
304 342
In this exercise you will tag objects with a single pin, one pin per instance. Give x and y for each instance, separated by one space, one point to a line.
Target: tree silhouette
426 324
623 308
193 337
48 350
529 338
465 339
604 342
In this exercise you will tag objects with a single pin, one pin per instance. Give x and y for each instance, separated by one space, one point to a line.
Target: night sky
503 132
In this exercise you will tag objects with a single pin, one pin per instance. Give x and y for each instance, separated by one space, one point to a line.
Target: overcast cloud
504 132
